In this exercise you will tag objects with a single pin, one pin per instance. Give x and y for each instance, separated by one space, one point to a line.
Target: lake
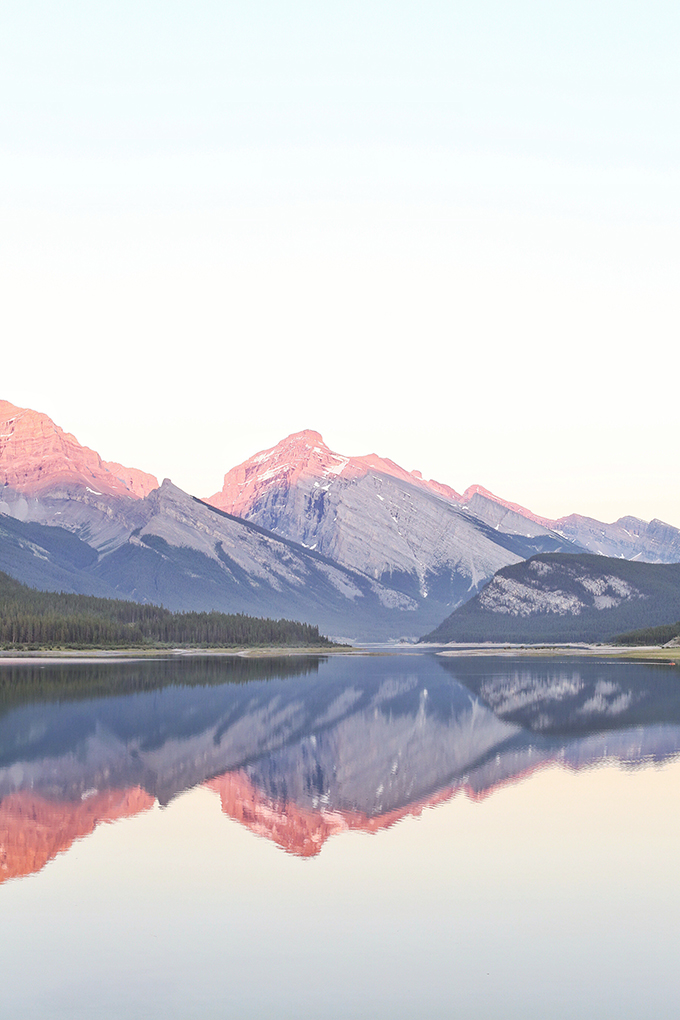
377 836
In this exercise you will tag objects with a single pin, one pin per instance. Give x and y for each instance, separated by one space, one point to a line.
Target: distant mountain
629 537
304 457
566 598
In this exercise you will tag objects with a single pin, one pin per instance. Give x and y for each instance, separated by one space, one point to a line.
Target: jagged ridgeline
30 618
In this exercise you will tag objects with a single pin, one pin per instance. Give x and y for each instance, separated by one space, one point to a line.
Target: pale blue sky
445 232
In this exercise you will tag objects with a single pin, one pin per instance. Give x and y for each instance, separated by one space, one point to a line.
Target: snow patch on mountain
526 598
392 599
340 581
505 595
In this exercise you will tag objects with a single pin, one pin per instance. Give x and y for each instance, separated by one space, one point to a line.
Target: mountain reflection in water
301 749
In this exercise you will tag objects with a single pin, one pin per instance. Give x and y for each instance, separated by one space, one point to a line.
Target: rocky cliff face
303 458
368 514
37 455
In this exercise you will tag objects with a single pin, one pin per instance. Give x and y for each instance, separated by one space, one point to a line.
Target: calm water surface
359 837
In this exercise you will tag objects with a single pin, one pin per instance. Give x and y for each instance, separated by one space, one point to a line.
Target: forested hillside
650 635
30 618
573 598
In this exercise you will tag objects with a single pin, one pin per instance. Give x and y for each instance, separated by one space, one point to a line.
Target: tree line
56 619
649 635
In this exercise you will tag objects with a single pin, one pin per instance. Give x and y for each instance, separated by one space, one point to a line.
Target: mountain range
358 545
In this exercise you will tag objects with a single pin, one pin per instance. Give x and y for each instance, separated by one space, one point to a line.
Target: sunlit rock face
33 829
36 455
303 456
369 514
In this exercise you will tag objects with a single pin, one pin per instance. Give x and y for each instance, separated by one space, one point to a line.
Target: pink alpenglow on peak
479 490
302 456
36 455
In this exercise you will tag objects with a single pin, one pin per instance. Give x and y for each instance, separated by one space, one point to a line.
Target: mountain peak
303 456
479 490
306 436
36 455
298 447
8 410
300 455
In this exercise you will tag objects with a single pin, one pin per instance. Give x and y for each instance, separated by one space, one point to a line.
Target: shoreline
74 656
128 655
655 652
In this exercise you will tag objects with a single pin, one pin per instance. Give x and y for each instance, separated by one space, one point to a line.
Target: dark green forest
39 619
649 635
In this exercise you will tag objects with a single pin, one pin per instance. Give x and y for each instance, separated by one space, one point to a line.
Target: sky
443 232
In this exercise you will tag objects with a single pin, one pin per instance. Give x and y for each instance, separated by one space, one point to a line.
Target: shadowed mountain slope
566 598
175 551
